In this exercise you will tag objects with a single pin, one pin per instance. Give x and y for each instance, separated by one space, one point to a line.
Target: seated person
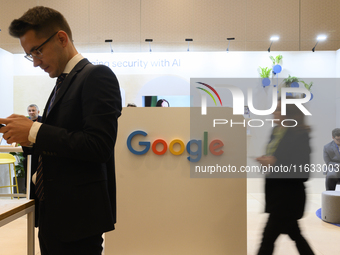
331 156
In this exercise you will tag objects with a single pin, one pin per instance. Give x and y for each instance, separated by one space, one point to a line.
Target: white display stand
161 210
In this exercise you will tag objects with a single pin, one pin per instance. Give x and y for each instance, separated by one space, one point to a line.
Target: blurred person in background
285 195
33 113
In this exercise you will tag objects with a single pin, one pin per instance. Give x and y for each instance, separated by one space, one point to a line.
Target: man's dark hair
43 20
335 132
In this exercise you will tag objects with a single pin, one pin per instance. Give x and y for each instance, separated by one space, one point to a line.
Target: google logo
195 155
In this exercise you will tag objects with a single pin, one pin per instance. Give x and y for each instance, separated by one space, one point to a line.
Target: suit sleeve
93 136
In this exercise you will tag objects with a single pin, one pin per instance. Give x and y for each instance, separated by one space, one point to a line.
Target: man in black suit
331 156
75 187
33 113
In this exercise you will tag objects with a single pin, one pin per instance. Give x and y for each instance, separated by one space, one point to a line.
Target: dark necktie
39 187
60 80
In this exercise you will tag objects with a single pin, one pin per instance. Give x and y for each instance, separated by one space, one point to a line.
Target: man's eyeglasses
337 139
36 52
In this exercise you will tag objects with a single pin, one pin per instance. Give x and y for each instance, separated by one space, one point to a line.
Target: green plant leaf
19 167
278 59
290 80
265 72
307 86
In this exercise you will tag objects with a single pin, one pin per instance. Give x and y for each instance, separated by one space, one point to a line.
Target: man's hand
267 160
17 129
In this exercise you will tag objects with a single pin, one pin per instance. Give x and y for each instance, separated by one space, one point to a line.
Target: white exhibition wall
145 74
168 74
160 208
136 71
6 103
6 83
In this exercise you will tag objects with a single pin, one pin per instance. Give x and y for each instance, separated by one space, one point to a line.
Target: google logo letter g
214 146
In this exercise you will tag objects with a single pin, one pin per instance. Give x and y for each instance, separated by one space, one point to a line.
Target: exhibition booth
167 202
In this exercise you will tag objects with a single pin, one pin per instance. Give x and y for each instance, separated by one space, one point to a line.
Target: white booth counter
161 209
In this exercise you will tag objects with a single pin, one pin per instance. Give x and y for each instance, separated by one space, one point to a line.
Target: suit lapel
65 85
